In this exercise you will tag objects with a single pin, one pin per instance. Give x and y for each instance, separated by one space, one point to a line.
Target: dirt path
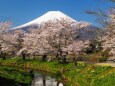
106 64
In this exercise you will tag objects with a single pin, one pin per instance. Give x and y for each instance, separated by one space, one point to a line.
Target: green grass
82 75
19 76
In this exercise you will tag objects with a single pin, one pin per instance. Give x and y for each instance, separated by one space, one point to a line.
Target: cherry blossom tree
54 38
4 27
109 38
107 20
13 41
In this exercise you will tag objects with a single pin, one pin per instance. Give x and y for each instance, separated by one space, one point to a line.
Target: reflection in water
40 80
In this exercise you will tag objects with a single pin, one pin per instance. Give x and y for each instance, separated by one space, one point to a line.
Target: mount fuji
49 16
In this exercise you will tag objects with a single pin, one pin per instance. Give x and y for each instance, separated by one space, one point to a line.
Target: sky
23 11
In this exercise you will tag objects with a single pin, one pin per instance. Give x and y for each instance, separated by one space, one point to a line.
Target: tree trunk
3 55
23 56
12 53
57 83
33 57
64 59
44 81
44 57
57 57
75 61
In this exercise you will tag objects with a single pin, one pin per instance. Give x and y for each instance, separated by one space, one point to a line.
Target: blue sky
22 11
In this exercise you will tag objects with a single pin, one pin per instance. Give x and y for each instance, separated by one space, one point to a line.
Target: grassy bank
82 75
14 77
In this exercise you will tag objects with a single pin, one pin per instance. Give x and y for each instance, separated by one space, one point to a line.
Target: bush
81 64
103 59
105 53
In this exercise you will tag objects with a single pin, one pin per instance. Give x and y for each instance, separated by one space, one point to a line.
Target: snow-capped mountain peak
49 16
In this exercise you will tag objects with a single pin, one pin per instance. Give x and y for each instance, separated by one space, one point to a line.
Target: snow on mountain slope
49 16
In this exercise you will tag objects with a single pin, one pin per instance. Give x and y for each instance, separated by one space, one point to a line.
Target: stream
45 80
10 76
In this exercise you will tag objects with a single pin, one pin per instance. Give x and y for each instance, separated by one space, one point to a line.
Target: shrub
103 59
80 64
105 53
